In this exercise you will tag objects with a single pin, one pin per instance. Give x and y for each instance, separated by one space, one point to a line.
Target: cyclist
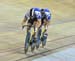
45 20
32 17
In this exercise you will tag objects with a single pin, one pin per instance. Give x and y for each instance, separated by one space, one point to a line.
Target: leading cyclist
32 17
45 21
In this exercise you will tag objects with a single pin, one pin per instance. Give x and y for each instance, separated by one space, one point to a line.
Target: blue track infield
66 55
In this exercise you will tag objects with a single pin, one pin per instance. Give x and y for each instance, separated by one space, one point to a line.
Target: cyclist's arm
23 22
46 24
26 17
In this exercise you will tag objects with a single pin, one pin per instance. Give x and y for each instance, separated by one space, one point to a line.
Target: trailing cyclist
45 20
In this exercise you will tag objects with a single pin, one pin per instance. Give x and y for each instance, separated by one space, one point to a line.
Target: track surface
61 32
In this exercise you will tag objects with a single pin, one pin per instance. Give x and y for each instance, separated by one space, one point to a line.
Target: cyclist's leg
35 23
40 30
33 38
36 33
44 34
35 30
39 34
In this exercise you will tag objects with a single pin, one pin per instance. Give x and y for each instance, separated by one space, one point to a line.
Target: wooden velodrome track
61 32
